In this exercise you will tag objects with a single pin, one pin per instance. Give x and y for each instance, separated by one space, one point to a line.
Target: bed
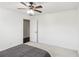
24 51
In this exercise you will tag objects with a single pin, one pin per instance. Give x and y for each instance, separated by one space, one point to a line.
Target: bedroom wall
59 29
78 27
11 28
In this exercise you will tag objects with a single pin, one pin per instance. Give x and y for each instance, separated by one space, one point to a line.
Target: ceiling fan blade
39 6
21 8
38 11
23 3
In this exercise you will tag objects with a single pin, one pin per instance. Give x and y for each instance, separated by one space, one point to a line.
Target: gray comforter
24 51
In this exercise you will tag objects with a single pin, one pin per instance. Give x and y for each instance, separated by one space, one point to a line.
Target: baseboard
78 52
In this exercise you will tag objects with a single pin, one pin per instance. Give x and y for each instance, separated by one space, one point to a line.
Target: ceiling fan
32 6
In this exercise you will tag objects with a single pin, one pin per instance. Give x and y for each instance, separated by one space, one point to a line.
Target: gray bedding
24 51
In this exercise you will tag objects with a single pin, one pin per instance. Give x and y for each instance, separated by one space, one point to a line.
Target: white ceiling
48 7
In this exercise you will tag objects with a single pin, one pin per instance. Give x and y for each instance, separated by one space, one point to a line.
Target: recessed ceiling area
48 7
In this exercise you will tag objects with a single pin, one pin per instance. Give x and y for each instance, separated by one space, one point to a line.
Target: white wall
11 28
78 28
59 29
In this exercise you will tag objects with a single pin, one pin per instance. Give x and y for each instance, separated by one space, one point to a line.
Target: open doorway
26 30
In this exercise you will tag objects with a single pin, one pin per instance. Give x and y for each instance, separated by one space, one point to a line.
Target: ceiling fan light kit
30 12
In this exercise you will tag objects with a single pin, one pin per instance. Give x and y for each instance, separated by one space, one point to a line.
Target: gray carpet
24 51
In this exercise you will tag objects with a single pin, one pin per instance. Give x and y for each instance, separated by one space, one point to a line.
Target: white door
33 30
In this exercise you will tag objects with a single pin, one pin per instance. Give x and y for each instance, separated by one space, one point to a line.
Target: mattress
24 51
